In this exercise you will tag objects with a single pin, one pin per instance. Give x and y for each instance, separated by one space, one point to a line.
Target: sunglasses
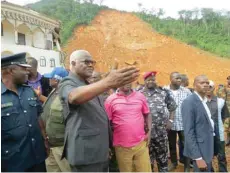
88 62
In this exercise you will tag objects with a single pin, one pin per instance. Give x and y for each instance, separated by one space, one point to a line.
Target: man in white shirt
198 126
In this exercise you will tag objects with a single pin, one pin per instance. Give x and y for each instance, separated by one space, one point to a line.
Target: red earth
123 36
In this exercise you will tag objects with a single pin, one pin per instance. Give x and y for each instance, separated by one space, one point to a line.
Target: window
1 29
21 39
52 62
48 45
42 61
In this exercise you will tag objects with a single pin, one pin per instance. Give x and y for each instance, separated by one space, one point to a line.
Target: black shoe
191 165
172 167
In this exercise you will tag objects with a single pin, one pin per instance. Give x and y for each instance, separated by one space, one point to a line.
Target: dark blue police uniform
22 144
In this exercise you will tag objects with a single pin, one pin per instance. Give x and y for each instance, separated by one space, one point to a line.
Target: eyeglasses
88 62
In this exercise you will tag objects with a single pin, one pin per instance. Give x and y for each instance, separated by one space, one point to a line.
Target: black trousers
97 167
172 136
41 167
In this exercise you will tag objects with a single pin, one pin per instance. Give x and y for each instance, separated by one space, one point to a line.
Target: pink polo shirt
127 116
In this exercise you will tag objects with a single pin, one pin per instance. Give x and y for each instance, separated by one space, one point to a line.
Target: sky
171 7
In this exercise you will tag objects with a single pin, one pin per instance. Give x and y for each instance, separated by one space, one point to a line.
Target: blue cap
57 73
15 59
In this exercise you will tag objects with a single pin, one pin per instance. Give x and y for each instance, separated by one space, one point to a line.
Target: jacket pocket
92 144
7 152
33 103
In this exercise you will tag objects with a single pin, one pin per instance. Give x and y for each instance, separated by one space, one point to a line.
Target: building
25 30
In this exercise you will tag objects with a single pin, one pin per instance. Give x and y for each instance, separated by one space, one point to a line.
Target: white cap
211 83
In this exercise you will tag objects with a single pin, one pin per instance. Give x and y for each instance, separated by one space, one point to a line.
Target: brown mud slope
125 37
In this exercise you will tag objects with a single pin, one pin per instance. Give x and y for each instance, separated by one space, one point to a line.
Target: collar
201 99
214 98
168 87
77 78
4 88
120 94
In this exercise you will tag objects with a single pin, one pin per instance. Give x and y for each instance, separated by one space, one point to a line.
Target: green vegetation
71 13
204 28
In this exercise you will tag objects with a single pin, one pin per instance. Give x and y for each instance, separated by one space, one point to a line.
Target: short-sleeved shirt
179 96
86 126
161 103
22 141
127 115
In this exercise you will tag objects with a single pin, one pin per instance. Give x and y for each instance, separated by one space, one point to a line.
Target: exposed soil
124 36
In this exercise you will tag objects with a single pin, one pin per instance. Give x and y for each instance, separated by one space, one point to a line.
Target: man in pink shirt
128 112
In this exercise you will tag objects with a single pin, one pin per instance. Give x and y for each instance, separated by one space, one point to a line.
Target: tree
139 6
101 2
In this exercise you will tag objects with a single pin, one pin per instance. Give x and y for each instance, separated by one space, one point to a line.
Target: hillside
70 12
124 36
203 28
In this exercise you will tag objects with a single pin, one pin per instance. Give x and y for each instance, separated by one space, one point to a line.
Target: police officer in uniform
24 142
162 108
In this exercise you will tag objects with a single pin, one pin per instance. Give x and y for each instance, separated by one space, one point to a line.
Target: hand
169 125
121 77
147 138
201 164
47 146
38 91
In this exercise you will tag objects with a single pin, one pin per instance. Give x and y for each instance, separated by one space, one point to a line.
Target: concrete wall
39 38
8 33
36 53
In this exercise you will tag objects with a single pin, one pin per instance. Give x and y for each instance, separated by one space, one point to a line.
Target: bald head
201 84
79 55
82 64
200 78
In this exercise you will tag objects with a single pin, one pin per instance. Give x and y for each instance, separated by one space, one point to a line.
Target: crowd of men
79 121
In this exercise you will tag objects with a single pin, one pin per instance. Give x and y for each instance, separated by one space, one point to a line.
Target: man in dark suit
198 126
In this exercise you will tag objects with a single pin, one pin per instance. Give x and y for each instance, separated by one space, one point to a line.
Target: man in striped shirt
179 94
